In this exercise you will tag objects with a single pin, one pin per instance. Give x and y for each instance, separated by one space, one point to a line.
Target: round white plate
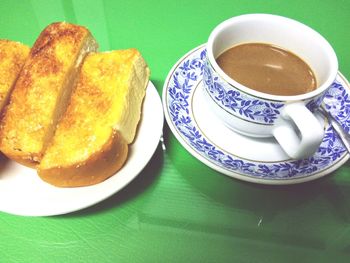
256 160
22 192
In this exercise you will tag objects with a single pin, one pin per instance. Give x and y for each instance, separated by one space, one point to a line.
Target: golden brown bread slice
91 140
42 91
12 57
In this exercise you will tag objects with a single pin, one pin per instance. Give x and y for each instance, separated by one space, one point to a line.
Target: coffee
267 68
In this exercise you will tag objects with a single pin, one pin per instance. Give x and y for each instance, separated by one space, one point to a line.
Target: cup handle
304 137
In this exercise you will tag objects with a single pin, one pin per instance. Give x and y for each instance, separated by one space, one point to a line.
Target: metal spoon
344 136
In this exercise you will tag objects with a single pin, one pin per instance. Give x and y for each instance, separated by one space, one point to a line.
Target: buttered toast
42 91
91 140
12 57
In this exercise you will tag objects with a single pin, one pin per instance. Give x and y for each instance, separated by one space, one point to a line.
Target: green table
177 209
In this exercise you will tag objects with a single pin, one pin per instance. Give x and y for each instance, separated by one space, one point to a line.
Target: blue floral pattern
337 103
237 102
180 87
245 106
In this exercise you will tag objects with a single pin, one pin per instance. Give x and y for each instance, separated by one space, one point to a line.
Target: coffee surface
267 68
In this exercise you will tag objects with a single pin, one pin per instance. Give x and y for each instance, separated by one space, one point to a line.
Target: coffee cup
292 119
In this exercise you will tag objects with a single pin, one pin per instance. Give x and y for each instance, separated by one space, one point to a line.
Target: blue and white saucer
238 156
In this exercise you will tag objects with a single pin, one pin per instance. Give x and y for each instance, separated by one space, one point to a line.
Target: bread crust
107 100
12 57
42 91
95 169
100 120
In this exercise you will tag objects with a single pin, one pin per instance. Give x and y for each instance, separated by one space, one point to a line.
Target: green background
177 209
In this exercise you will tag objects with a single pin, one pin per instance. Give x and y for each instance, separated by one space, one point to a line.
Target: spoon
344 136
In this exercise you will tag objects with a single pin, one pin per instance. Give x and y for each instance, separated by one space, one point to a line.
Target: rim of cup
320 88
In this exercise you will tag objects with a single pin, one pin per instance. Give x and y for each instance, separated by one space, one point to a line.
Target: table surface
177 209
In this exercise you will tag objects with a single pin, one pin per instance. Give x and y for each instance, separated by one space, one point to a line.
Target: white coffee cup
292 120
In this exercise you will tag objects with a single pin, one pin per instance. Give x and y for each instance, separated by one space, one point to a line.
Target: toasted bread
42 91
12 57
91 140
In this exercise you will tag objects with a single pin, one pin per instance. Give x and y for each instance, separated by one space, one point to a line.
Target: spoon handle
344 136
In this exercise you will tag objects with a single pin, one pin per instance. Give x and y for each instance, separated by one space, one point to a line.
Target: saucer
250 159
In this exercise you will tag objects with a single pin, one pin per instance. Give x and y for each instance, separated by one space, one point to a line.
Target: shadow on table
265 201
313 215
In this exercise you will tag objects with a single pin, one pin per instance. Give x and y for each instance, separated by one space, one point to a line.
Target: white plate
245 158
22 192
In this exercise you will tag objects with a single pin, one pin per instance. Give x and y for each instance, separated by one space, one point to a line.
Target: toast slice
12 57
91 140
42 91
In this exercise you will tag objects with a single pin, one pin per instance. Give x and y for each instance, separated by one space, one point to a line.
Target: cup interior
279 31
